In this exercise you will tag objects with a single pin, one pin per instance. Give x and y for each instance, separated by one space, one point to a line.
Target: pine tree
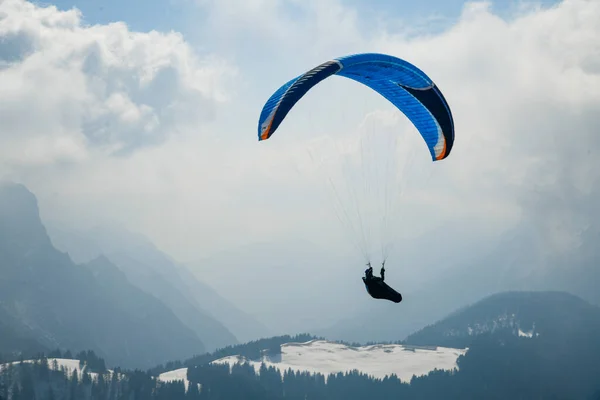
27 383
193 393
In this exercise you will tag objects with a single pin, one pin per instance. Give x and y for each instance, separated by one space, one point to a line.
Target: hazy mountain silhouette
64 305
214 319
541 315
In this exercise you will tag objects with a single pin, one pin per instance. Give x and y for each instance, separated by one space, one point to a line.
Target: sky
144 114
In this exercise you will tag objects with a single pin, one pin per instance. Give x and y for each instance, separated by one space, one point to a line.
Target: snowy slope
319 356
176 375
69 365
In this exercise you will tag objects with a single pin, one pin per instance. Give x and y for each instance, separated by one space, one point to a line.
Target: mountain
215 320
241 324
544 315
59 304
136 303
17 339
167 286
521 345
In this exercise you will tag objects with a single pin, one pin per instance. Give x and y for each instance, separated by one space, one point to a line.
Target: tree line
498 365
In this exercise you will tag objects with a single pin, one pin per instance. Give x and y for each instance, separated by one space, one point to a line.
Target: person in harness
377 288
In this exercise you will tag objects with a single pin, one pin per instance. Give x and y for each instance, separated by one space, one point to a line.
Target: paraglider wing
403 84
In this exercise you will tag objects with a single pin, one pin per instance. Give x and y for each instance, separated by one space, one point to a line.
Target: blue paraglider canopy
402 83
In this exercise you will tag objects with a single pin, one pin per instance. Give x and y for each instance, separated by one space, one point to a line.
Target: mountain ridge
536 314
62 305
215 319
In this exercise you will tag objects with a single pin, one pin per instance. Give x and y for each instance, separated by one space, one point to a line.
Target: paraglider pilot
376 286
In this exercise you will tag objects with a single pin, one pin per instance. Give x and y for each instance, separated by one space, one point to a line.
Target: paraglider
408 88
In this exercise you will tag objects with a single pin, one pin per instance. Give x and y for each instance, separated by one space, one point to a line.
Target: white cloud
70 90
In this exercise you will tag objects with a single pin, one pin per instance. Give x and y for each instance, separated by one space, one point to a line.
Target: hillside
59 304
555 359
329 358
214 319
378 361
17 339
548 316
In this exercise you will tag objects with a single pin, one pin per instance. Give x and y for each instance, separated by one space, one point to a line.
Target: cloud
71 90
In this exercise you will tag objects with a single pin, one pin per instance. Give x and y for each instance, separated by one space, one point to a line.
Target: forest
498 365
